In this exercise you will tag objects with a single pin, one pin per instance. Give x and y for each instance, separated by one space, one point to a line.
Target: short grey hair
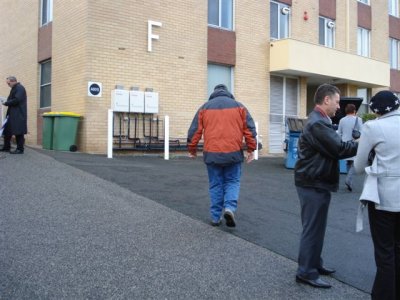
12 78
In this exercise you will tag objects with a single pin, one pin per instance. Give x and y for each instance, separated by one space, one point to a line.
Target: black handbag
356 133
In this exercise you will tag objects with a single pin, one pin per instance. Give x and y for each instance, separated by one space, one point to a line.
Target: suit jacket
382 135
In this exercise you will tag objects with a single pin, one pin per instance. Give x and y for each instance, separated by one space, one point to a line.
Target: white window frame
364 1
365 94
280 14
393 6
49 12
44 84
210 88
219 25
329 32
394 53
363 42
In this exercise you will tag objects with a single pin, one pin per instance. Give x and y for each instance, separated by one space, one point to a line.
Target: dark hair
220 87
325 90
350 108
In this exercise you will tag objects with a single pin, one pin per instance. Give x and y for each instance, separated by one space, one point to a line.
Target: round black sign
94 89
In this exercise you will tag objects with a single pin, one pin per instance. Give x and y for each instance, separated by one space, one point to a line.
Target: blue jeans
224 186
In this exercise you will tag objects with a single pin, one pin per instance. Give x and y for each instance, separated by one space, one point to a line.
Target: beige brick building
272 55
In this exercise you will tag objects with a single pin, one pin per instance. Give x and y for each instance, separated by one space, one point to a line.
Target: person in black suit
316 175
16 116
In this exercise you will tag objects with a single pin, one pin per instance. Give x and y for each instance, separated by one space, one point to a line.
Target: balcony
321 64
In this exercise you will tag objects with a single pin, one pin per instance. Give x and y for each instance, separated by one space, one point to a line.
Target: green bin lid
61 114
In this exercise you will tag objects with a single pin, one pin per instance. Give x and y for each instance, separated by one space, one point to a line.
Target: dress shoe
17 151
317 283
326 271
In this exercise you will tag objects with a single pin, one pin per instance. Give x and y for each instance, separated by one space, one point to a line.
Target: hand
249 157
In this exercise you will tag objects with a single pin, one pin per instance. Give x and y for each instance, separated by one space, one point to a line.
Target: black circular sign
94 89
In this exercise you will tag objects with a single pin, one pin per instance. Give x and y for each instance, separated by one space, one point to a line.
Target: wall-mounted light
330 24
285 10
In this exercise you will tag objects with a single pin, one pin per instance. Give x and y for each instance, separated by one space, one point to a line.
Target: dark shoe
213 223
326 271
17 151
349 188
5 149
317 283
229 218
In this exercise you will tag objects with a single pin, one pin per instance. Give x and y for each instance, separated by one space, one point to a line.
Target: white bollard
256 151
110 134
166 137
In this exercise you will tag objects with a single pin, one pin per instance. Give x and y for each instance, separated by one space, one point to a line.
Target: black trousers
19 139
385 232
314 205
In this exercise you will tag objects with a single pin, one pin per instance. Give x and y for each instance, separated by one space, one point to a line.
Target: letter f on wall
150 35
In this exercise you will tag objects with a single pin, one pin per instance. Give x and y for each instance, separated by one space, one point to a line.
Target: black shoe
317 283
349 188
229 218
216 223
17 151
5 149
326 271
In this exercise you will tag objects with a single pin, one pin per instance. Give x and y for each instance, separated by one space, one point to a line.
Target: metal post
110 134
166 138
256 152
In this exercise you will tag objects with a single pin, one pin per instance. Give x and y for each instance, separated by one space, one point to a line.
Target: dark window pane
45 73
274 20
45 96
44 11
213 12
321 31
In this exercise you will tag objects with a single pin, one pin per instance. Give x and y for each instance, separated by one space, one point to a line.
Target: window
46 11
394 8
284 99
363 42
326 32
279 20
394 51
220 13
219 74
45 84
365 94
364 1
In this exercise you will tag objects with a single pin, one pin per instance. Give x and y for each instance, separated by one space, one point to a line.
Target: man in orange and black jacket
224 123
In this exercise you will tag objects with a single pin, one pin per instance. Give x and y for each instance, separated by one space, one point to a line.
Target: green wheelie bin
47 131
65 129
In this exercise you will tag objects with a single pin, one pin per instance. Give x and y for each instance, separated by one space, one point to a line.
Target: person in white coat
382 137
346 126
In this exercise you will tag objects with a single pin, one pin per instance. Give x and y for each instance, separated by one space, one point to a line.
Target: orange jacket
224 124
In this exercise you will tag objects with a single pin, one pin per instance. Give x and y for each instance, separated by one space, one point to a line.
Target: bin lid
295 124
61 114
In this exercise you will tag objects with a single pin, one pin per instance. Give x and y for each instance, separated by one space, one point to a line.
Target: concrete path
68 234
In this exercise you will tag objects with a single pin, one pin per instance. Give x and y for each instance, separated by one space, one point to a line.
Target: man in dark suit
316 176
16 116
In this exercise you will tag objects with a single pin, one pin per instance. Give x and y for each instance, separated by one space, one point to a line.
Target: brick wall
252 61
108 43
18 53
